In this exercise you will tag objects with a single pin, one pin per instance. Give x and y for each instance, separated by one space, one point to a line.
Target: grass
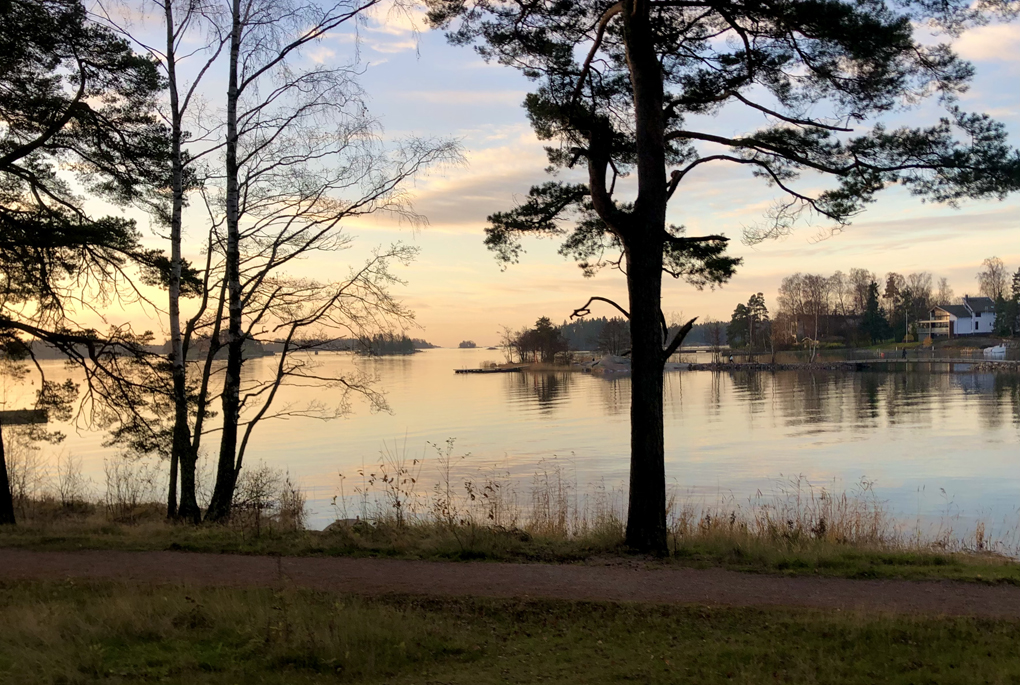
107 633
797 528
733 550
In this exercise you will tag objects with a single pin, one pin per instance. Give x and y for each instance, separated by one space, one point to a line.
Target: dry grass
428 505
133 492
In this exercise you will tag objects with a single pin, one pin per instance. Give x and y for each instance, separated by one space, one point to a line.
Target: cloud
391 46
321 55
385 30
397 19
492 178
998 43
503 98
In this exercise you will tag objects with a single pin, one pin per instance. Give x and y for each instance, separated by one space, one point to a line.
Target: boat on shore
996 352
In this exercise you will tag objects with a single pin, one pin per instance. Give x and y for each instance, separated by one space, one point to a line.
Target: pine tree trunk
644 240
646 511
6 496
223 492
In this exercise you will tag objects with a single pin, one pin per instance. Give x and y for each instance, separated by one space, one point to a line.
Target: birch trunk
219 506
181 453
6 497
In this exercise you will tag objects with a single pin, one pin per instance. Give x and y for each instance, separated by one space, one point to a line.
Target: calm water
727 435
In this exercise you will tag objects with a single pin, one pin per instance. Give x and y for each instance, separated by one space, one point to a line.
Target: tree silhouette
625 86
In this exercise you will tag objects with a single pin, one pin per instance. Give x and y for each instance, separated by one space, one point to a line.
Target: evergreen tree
1006 313
757 320
738 331
874 324
75 99
625 87
614 338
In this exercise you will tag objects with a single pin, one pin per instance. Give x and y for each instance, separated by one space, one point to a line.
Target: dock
508 369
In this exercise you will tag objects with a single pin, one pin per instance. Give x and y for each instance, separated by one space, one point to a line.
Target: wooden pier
507 369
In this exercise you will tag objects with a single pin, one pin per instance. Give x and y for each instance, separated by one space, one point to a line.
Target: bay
937 447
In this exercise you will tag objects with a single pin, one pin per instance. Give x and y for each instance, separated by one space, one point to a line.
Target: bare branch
584 310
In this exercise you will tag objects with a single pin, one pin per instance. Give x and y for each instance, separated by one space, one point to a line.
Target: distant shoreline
891 365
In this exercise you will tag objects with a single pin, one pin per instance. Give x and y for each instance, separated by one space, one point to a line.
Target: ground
616 580
107 616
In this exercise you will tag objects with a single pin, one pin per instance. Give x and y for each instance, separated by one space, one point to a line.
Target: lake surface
934 444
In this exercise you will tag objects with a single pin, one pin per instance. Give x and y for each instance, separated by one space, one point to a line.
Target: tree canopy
77 106
74 97
634 87
817 72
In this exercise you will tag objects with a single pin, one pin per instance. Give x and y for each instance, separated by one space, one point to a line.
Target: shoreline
888 365
938 365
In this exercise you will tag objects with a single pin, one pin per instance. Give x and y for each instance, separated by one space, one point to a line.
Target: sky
418 85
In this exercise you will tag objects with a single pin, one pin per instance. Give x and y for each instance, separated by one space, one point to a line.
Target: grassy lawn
64 633
795 555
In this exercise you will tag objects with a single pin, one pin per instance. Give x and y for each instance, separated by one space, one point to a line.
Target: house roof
981 304
957 310
977 305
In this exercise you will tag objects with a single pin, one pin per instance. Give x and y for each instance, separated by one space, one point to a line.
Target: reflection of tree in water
865 398
1007 387
750 387
861 399
809 398
673 395
906 391
615 393
715 394
545 389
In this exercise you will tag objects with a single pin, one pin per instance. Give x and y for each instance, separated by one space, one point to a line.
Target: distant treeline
604 335
613 334
390 343
860 307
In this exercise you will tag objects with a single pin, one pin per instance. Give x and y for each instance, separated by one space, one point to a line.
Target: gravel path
622 581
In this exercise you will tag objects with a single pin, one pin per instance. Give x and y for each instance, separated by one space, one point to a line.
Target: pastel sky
419 85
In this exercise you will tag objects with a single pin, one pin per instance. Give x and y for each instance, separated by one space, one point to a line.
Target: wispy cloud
504 98
997 42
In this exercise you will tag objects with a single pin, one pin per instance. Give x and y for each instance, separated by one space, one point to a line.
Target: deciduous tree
993 278
301 156
945 292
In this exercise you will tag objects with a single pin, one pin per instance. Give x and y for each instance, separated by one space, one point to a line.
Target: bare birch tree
945 293
192 39
993 278
300 157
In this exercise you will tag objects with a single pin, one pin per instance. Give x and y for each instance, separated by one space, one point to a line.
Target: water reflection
544 390
805 401
726 432
1007 388
833 402
614 393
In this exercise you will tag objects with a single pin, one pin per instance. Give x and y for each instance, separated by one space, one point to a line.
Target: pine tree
624 87
874 323
75 97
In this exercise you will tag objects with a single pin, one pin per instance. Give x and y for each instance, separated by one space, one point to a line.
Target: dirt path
616 582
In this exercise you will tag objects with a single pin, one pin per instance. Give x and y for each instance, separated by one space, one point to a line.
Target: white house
976 316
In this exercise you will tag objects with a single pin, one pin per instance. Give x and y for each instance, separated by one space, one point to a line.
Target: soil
619 580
